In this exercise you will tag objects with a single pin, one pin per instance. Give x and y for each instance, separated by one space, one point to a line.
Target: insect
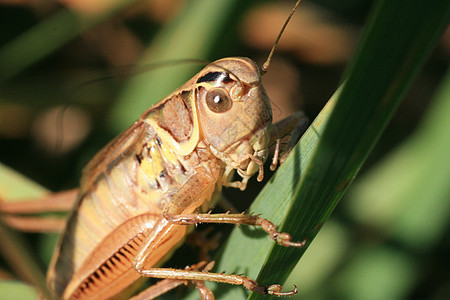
138 195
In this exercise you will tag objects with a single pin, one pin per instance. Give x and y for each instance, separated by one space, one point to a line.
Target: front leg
281 238
292 128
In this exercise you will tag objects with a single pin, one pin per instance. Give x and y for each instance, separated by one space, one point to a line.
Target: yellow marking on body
169 155
148 168
152 164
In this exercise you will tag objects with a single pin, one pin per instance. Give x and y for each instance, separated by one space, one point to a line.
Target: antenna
265 66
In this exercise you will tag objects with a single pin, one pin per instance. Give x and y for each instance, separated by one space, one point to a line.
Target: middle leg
281 238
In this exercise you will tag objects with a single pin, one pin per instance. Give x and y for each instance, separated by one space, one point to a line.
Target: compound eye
218 100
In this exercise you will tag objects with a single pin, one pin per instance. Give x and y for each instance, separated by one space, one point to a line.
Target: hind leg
21 215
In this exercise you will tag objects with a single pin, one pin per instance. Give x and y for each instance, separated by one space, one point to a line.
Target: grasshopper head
235 116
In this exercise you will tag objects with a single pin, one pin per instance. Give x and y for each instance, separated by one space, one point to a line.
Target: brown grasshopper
138 194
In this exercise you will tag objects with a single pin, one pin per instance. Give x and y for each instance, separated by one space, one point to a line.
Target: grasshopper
138 195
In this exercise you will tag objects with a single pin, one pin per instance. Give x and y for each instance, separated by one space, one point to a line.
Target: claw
275 290
295 244
284 239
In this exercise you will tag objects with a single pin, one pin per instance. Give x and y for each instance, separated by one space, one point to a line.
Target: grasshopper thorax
235 116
